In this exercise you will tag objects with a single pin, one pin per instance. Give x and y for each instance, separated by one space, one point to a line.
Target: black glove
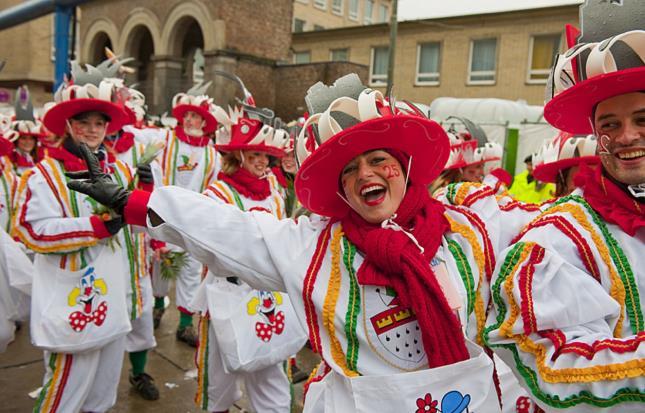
114 225
97 184
144 172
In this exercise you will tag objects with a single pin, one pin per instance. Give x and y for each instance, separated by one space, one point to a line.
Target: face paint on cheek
392 171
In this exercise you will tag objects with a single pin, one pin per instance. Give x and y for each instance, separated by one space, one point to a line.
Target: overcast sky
423 9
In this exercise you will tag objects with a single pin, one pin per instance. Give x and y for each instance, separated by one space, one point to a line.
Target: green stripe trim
353 306
173 169
204 388
127 235
465 271
43 391
632 298
74 203
206 161
530 376
7 196
236 196
451 192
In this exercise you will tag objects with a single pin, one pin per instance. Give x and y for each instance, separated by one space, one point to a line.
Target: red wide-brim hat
548 172
269 150
572 110
317 181
56 118
179 111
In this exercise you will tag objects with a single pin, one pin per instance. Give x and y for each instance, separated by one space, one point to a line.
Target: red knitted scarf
612 203
393 260
247 184
191 140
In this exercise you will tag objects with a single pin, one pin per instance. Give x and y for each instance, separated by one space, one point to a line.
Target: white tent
496 116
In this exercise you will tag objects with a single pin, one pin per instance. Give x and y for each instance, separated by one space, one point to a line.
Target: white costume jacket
566 310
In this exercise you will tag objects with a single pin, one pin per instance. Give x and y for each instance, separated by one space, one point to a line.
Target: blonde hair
230 163
447 177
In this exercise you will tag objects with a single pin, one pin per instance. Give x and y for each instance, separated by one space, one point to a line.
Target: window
378 67
353 10
302 57
382 13
428 64
337 7
483 56
318 27
543 50
298 25
321 4
369 10
339 55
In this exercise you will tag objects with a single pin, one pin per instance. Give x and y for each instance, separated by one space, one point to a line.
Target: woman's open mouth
373 194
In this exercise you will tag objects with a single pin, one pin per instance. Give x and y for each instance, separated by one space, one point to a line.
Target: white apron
466 386
254 329
76 311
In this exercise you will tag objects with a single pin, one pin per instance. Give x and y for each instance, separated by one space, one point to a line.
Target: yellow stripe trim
470 236
329 307
58 370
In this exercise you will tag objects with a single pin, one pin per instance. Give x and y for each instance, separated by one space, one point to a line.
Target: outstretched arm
255 246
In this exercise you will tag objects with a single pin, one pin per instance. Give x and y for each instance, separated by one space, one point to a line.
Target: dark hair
85 115
529 159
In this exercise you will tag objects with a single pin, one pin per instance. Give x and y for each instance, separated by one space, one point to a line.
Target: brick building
503 55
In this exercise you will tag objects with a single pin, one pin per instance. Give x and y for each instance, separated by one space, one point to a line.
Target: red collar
21 161
72 163
247 184
121 144
191 140
611 202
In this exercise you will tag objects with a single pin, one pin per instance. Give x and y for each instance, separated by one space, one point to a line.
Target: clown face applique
264 305
87 296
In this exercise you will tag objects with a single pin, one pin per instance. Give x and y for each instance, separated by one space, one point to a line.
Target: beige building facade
27 50
502 55
309 15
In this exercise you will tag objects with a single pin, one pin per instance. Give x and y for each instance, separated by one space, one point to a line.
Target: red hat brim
56 118
571 110
269 150
317 180
179 111
548 172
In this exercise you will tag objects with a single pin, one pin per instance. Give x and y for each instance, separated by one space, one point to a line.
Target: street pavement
171 364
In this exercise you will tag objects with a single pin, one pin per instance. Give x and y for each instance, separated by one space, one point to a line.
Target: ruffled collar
191 140
22 160
247 184
610 201
122 143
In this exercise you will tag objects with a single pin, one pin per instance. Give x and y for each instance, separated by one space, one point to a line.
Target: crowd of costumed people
424 276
